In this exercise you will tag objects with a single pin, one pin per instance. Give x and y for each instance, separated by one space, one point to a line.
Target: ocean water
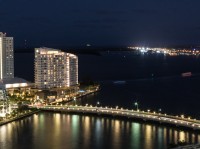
153 80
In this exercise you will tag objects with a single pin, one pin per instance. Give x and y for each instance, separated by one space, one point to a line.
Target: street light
74 100
136 105
98 103
159 110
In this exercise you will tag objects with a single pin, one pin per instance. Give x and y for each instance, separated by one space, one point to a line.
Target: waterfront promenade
131 114
19 116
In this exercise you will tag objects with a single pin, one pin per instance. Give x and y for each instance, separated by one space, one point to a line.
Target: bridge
132 114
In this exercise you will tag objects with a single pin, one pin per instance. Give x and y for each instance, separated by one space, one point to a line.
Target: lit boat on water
186 74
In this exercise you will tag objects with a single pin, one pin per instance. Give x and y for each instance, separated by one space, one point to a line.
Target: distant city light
167 51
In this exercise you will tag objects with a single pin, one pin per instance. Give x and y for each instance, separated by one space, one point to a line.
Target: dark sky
63 23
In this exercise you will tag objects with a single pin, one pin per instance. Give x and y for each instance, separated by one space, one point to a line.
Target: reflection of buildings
6 57
55 69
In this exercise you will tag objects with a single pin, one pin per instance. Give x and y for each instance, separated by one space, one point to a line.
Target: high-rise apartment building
54 68
6 57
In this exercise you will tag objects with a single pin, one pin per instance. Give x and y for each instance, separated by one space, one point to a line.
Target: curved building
55 69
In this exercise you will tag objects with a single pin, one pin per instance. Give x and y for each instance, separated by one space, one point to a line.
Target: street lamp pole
136 105
74 100
98 103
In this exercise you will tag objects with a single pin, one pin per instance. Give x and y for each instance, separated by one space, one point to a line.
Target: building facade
55 69
2 92
6 57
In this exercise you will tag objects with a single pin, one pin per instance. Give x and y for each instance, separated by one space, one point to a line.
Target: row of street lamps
136 104
97 104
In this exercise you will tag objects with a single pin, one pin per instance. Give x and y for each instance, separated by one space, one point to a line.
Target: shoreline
19 117
36 111
78 97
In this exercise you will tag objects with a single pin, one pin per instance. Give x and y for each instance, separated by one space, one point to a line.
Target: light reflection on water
86 131
54 130
135 135
116 133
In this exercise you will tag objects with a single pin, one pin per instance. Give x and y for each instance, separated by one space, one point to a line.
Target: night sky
65 23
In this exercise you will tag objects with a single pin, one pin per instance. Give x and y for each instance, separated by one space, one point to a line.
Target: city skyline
101 74
70 23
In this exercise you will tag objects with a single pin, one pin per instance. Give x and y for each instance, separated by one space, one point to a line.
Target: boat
186 74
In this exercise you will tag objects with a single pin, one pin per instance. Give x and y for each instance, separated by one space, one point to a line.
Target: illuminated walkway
146 116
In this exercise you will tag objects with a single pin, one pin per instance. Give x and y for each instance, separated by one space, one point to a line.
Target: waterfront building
4 107
2 92
6 56
18 87
16 83
55 69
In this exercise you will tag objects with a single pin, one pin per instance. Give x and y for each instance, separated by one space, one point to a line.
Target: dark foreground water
63 131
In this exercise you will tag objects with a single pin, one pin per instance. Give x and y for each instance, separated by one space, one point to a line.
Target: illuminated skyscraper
54 68
6 57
